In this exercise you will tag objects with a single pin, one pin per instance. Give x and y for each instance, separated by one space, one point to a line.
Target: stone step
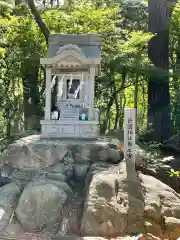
68 119
77 113
75 109
69 113
69 116
71 109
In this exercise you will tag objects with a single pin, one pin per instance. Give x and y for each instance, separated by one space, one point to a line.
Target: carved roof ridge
70 47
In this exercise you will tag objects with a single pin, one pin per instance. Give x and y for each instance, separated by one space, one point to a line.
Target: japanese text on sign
130 133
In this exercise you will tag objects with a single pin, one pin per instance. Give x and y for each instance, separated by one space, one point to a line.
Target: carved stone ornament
69 61
70 47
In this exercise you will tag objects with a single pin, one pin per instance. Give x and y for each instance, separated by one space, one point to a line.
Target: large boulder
12 230
110 155
109 198
119 202
173 227
141 157
35 153
32 153
9 195
76 237
172 144
41 203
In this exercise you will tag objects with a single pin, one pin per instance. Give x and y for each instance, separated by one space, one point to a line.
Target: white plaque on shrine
129 134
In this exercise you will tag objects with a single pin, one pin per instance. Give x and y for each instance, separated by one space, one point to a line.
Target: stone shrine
72 63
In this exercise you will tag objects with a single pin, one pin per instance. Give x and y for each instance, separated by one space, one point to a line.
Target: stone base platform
69 129
33 152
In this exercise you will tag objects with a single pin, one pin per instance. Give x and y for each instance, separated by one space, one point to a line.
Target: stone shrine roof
88 43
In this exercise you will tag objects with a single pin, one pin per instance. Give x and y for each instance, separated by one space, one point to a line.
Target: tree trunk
141 122
158 85
104 125
136 99
122 97
18 2
175 85
117 113
31 100
39 20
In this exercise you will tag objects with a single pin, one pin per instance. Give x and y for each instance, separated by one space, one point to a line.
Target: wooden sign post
129 136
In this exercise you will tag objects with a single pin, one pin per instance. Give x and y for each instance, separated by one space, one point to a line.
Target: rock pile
62 188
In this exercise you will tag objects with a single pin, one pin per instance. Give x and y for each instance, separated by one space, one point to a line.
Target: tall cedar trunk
117 109
122 97
17 2
158 85
136 98
31 100
176 96
144 104
117 112
104 126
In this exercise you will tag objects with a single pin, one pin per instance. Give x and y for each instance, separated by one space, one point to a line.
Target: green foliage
5 9
174 173
2 52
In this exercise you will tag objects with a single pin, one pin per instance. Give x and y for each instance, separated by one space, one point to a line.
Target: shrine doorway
73 87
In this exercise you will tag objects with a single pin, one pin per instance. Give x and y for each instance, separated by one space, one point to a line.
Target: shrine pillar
48 94
86 90
91 91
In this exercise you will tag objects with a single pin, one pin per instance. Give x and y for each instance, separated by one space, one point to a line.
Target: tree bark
176 105
122 98
31 100
136 99
158 85
18 2
117 113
